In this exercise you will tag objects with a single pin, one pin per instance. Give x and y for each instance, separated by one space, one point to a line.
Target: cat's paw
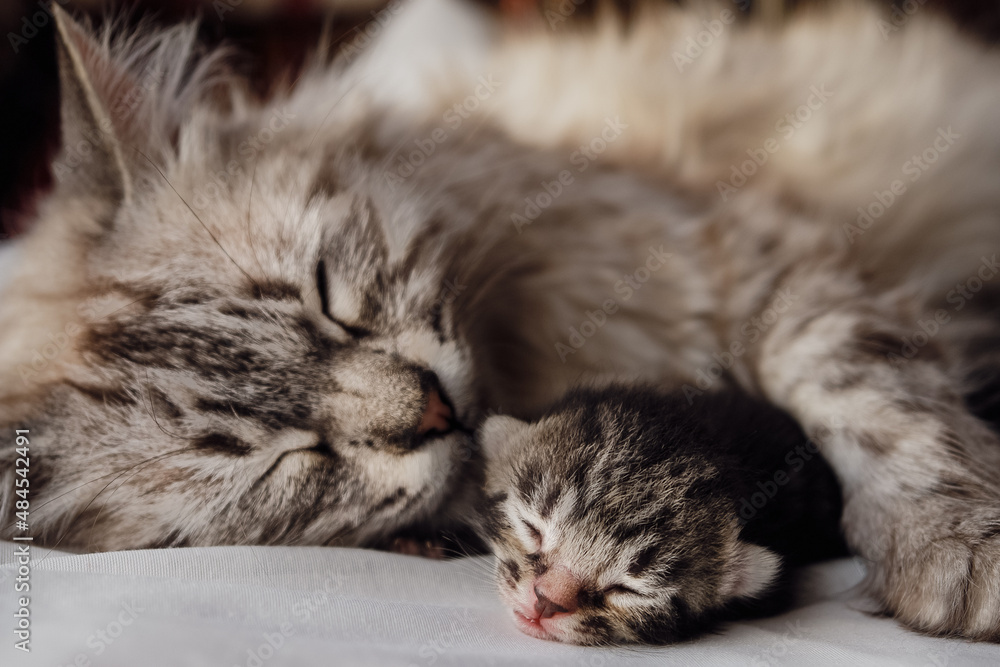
945 579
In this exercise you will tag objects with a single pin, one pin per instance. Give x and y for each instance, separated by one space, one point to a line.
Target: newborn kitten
628 515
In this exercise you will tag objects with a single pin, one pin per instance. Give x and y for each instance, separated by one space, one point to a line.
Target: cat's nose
437 415
557 592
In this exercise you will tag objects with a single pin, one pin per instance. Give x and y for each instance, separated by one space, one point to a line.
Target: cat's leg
920 474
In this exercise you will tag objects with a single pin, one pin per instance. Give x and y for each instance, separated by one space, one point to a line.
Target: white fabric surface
214 606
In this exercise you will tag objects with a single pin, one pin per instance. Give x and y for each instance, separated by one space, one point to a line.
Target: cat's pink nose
557 592
437 415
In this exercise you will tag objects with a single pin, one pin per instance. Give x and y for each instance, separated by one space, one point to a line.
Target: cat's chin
445 467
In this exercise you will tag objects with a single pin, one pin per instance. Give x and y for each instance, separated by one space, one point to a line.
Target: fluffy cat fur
622 514
165 342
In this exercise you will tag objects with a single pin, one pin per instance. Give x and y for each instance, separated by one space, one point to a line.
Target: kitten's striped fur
647 518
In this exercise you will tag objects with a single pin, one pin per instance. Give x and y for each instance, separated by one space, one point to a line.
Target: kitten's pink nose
437 415
557 592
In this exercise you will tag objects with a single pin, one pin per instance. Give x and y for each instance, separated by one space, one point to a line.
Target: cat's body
625 514
230 323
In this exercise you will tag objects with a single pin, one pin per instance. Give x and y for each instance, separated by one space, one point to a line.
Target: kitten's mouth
532 627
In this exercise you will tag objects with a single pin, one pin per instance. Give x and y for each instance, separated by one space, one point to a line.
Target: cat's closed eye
322 288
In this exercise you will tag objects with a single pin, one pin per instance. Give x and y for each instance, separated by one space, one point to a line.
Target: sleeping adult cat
242 322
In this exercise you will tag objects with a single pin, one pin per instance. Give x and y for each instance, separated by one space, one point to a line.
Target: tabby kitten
628 515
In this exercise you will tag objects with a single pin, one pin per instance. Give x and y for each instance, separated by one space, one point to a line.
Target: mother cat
238 322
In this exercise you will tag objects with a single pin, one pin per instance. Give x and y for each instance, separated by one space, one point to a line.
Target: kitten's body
649 505
180 350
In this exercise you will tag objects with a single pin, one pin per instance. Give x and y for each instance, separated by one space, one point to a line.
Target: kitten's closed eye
621 589
534 533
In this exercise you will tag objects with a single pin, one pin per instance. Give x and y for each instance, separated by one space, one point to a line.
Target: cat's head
225 329
605 533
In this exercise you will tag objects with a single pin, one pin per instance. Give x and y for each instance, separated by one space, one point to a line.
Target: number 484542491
21 467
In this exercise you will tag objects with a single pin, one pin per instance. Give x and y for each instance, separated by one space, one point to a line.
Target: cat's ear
497 434
93 161
753 570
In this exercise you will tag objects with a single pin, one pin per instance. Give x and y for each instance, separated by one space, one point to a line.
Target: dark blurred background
274 35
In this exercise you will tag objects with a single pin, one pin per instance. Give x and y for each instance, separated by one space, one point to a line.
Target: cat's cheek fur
428 475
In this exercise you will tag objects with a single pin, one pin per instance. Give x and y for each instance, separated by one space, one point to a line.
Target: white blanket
265 606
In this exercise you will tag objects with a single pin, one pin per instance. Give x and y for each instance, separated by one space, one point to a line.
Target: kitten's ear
89 83
496 435
752 571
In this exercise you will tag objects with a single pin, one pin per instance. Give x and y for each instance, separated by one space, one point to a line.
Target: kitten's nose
546 608
558 592
437 415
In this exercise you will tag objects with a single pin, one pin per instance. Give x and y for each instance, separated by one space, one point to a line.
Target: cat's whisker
473 569
196 216
152 414
117 474
249 233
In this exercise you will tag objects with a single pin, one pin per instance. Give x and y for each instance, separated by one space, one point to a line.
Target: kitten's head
225 329
608 525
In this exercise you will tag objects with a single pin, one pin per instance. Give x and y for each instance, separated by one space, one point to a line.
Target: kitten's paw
415 547
947 585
